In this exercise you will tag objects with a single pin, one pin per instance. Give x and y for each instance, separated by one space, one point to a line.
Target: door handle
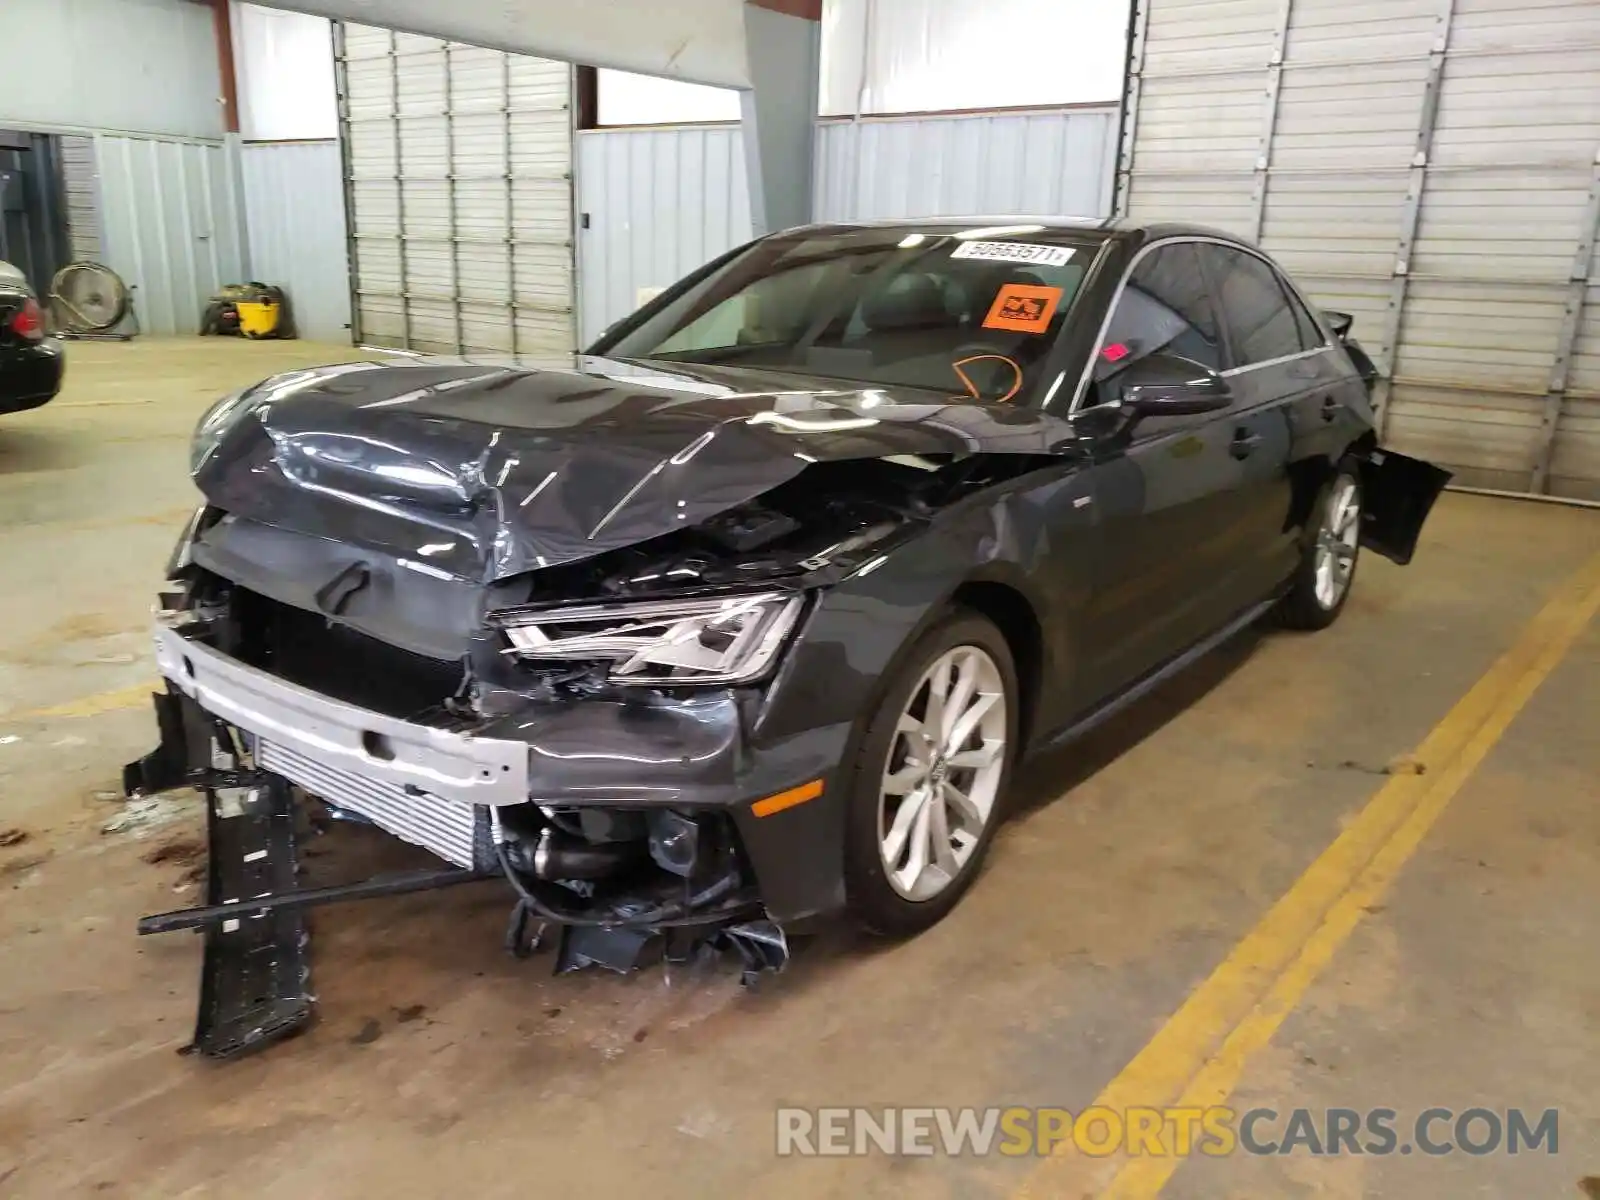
1244 442
1330 408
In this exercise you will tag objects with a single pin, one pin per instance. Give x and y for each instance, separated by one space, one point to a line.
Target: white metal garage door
458 165
82 185
1432 166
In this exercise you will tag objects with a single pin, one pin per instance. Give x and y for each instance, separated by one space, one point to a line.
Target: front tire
930 775
1321 583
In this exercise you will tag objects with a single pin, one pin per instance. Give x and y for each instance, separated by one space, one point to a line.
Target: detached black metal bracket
169 764
397 884
255 979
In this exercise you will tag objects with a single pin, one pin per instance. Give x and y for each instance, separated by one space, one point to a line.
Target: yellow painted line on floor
167 516
84 706
59 405
1197 1057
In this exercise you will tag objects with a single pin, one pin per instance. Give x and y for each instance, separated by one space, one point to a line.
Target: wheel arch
1310 476
1014 615
1360 446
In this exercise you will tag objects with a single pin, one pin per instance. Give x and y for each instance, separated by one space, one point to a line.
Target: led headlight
711 640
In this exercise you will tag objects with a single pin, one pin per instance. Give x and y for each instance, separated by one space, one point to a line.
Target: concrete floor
1139 858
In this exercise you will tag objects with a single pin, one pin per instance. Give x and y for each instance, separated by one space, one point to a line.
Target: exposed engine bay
809 531
819 521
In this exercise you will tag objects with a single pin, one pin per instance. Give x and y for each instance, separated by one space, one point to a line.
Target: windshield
971 314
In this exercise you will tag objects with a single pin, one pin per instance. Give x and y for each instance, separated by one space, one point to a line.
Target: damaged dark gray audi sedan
747 619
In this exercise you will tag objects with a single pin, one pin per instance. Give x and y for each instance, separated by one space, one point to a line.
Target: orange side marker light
783 800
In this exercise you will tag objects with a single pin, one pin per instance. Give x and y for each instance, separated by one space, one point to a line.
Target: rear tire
1321 583
929 779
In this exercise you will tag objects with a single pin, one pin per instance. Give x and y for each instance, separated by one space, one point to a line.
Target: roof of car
1004 223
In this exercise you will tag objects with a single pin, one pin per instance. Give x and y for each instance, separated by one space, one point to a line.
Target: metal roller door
458 179
81 181
1431 166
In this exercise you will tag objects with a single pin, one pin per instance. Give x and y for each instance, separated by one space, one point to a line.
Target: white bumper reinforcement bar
421 761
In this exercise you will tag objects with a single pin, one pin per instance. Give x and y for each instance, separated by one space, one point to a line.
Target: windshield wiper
715 354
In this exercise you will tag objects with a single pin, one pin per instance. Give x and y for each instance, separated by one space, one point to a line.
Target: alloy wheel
943 773
1337 542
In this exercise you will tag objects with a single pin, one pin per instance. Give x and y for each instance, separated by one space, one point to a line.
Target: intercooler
458 833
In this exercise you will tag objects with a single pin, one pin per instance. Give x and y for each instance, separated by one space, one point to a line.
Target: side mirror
1205 393
1339 322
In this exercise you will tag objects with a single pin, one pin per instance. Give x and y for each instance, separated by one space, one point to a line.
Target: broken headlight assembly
700 641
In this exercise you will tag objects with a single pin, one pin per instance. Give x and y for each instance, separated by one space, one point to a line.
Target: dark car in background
748 619
31 363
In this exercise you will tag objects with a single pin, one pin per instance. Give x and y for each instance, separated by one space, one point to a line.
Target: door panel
1280 382
1262 509
1170 532
1163 488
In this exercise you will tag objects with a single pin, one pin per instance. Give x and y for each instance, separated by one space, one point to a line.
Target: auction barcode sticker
1022 252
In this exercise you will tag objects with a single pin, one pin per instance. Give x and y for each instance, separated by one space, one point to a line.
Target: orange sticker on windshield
1023 308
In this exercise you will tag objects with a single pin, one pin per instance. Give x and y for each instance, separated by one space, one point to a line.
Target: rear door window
1310 336
1255 307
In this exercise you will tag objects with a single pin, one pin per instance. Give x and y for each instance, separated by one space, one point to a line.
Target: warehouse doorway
458 187
33 232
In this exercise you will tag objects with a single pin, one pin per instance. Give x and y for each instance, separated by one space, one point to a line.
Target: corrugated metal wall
654 204
168 225
1431 166
1058 163
459 178
918 56
294 206
134 66
660 202
132 86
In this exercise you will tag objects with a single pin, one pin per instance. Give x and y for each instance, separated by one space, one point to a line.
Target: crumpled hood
488 472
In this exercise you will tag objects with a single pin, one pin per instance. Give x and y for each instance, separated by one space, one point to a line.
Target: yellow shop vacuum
252 310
